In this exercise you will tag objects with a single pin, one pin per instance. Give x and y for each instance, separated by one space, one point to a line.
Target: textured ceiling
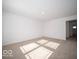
41 9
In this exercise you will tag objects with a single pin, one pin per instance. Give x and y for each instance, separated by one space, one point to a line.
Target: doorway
71 29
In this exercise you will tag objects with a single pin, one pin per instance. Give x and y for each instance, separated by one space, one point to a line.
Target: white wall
57 28
17 28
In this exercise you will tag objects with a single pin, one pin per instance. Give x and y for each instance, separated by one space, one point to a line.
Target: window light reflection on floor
53 45
39 53
42 41
28 47
36 51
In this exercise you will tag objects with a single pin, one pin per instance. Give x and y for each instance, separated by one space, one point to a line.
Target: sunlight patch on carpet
39 53
53 45
22 49
28 47
42 41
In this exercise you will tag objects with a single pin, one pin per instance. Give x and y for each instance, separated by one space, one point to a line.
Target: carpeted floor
59 49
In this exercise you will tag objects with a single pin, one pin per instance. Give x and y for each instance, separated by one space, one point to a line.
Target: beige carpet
45 48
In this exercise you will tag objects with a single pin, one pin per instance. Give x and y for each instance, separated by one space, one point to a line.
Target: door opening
71 29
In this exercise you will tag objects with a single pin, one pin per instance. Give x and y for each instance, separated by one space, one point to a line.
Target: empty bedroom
39 29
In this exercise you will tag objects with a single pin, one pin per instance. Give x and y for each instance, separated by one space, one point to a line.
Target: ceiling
41 9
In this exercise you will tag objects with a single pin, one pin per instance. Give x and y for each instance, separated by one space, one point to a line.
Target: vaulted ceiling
41 9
